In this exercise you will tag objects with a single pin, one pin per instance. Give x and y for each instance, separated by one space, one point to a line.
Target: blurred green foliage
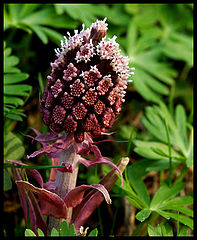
158 38
65 231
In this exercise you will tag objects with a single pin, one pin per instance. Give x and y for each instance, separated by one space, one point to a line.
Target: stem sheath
64 183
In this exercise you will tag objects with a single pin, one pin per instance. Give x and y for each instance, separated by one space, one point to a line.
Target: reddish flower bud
70 72
67 100
99 107
90 123
79 137
57 88
79 111
90 77
90 97
69 124
104 85
58 114
77 88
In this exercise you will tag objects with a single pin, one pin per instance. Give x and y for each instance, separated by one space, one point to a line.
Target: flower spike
89 75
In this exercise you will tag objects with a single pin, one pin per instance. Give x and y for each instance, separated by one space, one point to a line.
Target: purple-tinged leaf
65 142
36 216
50 186
45 137
103 160
82 148
33 172
36 175
94 198
75 196
40 221
50 149
54 150
32 216
21 193
96 152
51 203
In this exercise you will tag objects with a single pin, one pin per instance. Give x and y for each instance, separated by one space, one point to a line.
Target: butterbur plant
82 99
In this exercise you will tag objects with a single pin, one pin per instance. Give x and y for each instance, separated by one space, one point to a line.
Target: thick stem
64 183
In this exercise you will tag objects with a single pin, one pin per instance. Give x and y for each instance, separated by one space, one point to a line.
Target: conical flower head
87 83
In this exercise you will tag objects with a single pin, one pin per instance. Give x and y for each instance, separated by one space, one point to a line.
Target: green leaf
31 17
126 130
40 233
167 229
154 122
153 231
163 229
160 165
186 211
131 196
134 202
180 118
164 193
63 21
52 34
54 233
131 37
40 33
40 80
183 219
13 147
29 233
148 71
150 39
7 183
183 231
15 111
177 41
143 214
17 90
27 9
132 8
141 86
111 13
163 214
178 201
93 233
13 100
13 75
38 17
82 12
10 62
66 230
148 61
14 116
15 78
147 150
14 9
189 160
148 16
7 51
135 173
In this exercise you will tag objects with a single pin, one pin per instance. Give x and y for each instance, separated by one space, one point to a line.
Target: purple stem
65 181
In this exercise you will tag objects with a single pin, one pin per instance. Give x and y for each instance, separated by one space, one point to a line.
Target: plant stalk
65 182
